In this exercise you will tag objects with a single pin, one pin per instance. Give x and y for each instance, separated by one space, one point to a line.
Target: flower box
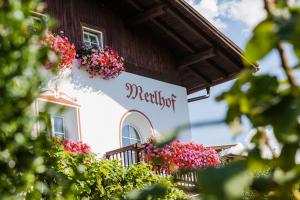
180 156
105 62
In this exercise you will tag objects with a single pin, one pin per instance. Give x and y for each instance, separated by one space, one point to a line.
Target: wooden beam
175 36
135 5
201 76
185 23
220 69
146 15
211 30
214 82
168 31
195 58
198 75
228 61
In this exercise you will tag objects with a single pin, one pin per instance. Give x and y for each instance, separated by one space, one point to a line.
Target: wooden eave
204 56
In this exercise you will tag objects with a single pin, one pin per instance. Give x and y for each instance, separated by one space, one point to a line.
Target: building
170 51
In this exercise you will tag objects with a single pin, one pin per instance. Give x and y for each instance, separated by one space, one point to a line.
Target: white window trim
138 132
92 31
53 128
39 16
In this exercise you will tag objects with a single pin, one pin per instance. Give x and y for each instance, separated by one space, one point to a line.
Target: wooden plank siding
143 53
165 40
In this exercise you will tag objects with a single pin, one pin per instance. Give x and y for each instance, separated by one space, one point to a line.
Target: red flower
105 62
179 155
76 147
63 48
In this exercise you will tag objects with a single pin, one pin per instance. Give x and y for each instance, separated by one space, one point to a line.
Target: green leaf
263 184
283 117
156 191
226 183
263 40
287 156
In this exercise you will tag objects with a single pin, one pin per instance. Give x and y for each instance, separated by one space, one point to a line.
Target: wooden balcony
135 154
127 155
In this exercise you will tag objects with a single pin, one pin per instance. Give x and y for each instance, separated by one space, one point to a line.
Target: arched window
130 136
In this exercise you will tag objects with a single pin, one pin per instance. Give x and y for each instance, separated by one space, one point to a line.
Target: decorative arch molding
143 117
59 97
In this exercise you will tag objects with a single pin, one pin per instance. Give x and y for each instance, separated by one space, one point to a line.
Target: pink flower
63 48
177 155
105 62
76 147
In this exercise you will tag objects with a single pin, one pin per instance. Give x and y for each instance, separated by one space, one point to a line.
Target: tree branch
270 7
284 64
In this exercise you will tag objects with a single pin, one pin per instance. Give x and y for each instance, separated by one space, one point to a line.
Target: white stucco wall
104 102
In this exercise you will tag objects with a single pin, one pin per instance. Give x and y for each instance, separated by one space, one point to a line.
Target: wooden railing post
138 159
135 154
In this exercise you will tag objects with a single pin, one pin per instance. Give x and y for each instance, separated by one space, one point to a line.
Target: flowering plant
180 156
105 62
63 48
76 147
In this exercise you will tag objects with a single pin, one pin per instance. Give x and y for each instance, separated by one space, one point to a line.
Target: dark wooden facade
162 39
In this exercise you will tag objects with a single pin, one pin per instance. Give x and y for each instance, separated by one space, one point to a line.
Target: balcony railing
135 153
127 155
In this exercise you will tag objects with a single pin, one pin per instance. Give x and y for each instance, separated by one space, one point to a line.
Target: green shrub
95 178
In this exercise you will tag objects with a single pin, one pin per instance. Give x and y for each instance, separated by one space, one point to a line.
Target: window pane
90 44
125 142
94 45
133 133
130 136
125 131
58 124
93 39
85 37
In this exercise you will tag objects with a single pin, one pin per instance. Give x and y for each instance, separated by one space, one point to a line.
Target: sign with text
155 97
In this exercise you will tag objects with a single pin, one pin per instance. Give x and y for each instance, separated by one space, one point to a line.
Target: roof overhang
205 56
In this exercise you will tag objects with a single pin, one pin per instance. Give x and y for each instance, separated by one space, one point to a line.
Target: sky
236 19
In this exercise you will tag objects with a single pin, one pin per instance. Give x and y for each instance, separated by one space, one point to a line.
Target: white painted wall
104 102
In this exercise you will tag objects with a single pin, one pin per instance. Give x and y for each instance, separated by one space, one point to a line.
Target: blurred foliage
23 171
272 106
38 167
29 171
95 178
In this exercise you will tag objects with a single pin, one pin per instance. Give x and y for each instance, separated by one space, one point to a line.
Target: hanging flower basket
105 63
180 156
63 48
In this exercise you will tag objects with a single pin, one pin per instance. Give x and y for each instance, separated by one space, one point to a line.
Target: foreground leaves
23 171
94 178
273 108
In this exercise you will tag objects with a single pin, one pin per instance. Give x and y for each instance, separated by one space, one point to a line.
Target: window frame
54 133
39 17
91 30
138 141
